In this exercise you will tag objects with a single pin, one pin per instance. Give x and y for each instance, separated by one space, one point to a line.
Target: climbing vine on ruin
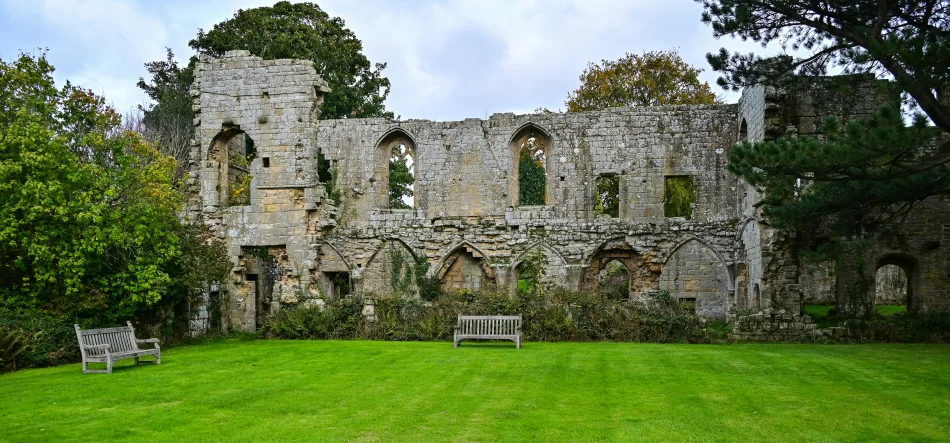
401 274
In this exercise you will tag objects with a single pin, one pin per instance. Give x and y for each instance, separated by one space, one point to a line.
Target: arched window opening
891 289
614 280
396 172
234 150
402 178
531 147
743 131
465 269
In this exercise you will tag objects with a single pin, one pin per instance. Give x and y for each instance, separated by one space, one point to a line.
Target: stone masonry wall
466 222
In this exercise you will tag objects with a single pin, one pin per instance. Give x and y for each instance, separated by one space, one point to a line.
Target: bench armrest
147 340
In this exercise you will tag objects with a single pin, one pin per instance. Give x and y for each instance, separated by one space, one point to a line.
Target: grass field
232 390
821 314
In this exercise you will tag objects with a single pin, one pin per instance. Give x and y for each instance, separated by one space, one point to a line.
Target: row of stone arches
691 271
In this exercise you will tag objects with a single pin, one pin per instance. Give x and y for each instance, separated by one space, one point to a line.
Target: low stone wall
769 325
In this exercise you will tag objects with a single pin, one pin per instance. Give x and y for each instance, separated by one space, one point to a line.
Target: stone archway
643 274
465 267
694 273
390 271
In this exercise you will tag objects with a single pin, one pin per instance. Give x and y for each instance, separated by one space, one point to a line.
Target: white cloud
449 59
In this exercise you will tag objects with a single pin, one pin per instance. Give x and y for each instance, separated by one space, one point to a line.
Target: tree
654 78
532 177
169 121
400 183
304 31
862 176
88 211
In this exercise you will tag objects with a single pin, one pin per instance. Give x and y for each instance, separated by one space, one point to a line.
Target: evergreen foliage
169 122
863 176
531 175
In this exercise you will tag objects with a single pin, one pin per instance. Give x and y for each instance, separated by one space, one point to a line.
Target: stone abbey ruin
260 150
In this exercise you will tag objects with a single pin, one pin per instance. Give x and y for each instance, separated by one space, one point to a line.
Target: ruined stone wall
467 224
918 248
465 180
275 103
695 272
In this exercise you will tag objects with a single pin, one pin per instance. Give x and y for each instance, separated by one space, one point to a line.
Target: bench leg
518 343
108 366
136 361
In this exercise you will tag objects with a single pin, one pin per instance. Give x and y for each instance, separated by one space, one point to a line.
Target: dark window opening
608 195
265 161
338 284
614 280
679 197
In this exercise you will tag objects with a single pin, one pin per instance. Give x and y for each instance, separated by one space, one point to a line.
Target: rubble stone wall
466 222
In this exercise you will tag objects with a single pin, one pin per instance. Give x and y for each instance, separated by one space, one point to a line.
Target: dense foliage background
89 227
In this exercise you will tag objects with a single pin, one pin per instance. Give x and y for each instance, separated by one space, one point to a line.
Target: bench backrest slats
121 339
493 325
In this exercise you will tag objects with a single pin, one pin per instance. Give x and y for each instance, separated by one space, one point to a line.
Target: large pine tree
863 176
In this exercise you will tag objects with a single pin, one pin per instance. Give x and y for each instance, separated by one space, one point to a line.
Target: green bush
46 340
928 327
11 345
551 316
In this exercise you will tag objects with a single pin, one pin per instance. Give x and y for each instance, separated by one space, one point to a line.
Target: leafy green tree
654 78
400 183
608 196
168 122
862 176
88 211
304 31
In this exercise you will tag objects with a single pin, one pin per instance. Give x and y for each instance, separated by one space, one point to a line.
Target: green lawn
383 391
821 314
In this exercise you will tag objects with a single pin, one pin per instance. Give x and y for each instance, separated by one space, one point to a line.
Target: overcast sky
448 59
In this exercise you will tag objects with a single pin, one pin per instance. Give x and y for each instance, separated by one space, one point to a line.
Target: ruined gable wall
463 167
463 185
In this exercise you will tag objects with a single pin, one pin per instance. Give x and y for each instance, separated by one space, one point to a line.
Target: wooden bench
108 345
489 327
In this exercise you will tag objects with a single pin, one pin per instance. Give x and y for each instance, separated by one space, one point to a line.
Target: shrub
46 340
925 327
11 345
553 316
